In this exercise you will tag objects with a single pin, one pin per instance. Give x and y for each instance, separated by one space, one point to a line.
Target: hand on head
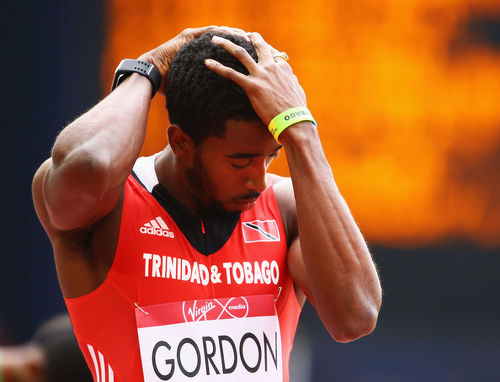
270 85
162 56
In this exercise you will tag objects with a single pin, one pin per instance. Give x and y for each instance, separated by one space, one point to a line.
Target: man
195 263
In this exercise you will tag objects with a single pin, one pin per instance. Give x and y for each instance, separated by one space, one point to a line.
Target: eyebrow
249 155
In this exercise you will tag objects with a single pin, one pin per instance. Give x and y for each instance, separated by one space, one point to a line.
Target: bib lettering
223 339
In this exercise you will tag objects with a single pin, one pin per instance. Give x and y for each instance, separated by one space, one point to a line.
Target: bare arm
92 156
332 263
341 276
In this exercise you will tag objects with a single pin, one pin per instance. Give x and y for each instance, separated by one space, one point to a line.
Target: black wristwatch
129 66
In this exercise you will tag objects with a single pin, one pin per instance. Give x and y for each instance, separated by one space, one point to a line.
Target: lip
246 204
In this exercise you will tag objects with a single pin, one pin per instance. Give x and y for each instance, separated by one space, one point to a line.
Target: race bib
223 339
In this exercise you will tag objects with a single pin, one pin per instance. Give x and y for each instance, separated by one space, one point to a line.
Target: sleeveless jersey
155 264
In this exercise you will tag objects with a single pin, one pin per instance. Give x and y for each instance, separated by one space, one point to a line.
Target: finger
224 71
237 52
235 31
274 51
280 60
197 32
263 49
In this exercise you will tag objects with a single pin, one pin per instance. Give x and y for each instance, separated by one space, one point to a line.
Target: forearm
341 274
93 156
107 139
112 132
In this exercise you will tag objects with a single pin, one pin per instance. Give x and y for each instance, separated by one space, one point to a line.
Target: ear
179 141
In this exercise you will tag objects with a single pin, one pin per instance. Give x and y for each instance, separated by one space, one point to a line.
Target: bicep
283 191
296 268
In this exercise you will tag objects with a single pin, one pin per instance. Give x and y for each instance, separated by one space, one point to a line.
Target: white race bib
223 339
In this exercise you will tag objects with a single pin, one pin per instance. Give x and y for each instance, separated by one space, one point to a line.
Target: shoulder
283 192
38 197
63 239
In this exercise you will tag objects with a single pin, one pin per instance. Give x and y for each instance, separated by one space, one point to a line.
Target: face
229 172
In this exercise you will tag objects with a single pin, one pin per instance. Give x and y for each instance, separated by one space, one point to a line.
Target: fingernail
216 39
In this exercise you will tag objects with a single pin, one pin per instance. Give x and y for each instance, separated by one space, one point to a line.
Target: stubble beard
202 191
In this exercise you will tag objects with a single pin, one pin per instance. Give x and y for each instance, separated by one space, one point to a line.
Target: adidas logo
158 227
101 372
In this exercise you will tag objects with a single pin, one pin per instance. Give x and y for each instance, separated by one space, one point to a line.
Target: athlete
194 262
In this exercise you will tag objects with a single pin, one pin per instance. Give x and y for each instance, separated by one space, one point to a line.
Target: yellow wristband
289 117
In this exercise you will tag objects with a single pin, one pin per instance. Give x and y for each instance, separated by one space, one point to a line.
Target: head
222 144
200 101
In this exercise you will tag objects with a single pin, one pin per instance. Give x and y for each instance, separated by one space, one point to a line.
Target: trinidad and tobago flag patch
260 230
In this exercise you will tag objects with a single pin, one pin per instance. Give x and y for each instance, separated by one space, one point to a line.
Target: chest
156 263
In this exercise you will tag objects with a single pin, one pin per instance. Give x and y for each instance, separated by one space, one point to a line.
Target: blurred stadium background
407 97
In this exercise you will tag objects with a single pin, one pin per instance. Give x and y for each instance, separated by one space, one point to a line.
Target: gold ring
282 55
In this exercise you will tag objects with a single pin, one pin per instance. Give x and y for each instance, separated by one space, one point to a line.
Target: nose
256 179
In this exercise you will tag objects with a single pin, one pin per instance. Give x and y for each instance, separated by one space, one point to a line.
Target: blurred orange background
406 95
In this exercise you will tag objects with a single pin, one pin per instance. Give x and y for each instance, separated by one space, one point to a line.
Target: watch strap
129 66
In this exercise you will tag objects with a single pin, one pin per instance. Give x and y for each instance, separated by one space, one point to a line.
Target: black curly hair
200 101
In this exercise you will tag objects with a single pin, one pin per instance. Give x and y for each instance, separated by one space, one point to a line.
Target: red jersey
156 262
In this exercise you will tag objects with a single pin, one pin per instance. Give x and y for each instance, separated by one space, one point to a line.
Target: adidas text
157 232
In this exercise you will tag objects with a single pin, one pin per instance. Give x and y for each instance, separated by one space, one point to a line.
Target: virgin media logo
216 309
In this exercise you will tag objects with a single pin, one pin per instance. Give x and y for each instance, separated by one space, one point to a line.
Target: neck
171 175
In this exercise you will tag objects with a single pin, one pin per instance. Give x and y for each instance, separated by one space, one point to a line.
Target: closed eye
242 160
240 163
